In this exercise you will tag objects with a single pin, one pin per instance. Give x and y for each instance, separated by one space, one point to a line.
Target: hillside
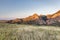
51 19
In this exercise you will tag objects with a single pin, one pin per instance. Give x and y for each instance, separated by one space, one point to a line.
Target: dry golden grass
26 32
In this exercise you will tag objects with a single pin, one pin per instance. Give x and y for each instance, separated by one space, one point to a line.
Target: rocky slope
53 19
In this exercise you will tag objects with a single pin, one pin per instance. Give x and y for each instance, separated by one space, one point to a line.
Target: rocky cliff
53 19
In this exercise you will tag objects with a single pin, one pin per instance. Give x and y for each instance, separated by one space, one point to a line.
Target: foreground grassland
28 32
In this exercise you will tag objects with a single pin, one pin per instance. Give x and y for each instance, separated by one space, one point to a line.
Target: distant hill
51 19
6 18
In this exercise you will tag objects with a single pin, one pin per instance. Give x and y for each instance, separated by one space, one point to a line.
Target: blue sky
24 8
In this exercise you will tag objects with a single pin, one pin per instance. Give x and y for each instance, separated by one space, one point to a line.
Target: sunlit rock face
49 16
30 18
56 14
36 19
53 15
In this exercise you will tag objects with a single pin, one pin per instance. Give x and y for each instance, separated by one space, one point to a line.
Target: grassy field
28 32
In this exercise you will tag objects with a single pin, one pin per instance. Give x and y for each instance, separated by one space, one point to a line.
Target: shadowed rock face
41 20
53 19
43 17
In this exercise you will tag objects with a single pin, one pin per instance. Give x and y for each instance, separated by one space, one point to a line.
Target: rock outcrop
53 19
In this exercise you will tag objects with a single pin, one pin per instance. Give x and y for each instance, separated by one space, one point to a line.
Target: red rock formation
53 15
53 19
33 17
56 14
